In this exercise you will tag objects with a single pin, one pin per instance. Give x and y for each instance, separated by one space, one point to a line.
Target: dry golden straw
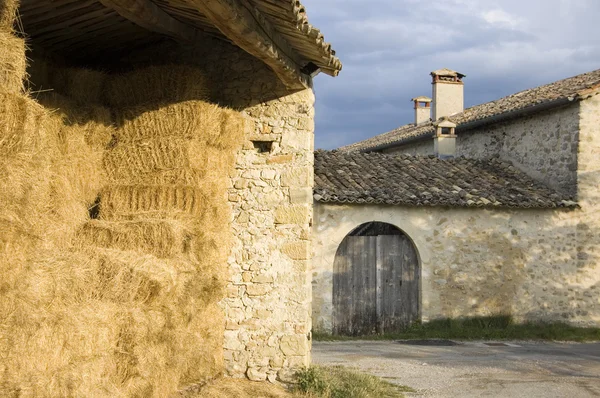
13 63
125 305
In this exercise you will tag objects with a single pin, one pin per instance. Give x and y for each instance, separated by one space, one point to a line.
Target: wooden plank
379 264
245 25
341 289
151 17
400 275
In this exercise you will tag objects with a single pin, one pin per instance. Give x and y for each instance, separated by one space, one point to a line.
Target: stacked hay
166 203
51 172
124 304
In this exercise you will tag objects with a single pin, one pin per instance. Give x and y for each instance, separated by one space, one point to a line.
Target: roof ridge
578 87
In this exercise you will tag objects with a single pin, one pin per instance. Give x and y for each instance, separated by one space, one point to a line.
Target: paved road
475 369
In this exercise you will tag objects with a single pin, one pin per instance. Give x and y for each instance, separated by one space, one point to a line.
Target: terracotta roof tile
375 178
571 89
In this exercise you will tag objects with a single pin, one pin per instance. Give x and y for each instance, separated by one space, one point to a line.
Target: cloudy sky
388 48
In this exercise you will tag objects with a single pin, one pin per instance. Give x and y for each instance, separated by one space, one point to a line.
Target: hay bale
8 14
162 239
143 161
93 121
13 63
84 86
21 133
156 85
152 201
191 120
113 321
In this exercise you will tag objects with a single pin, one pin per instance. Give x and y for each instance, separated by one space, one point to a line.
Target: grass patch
340 382
500 327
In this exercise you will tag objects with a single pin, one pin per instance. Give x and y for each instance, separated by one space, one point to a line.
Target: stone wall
268 295
543 145
532 264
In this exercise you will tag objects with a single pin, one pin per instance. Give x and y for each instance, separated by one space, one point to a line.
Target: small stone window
263 146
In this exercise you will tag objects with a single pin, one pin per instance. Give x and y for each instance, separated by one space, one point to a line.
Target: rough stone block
294 345
301 195
258 289
297 250
257 374
297 140
297 177
280 159
296 214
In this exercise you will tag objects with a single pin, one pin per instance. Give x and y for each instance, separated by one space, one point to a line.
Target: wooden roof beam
247 28
149 16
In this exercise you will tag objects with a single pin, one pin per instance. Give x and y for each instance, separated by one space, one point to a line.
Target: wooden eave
274 31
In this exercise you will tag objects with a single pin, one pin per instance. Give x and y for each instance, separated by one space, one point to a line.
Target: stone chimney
448 93
444 142
422 109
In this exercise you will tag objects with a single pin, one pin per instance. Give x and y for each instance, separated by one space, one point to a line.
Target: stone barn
466 212
156 170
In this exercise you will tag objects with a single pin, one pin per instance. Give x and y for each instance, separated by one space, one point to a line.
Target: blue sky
388 48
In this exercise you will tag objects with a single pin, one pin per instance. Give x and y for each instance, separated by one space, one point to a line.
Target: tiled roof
375 178
571 89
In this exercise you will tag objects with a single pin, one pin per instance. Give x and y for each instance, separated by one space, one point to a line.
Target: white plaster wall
476 262
448 99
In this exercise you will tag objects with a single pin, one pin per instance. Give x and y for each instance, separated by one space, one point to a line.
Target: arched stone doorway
375 281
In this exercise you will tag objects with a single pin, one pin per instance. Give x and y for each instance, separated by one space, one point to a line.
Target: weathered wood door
375 285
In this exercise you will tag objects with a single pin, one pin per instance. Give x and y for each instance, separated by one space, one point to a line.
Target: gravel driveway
474 369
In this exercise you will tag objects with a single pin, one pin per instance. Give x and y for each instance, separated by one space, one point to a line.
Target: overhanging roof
376 178
275 31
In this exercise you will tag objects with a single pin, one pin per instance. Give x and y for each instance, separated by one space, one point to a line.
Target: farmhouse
156 169
466 212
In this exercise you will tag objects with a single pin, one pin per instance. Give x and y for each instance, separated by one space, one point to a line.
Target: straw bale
21 135
160 238
209 123
156 85
109 323
94 121
129 163
13 63
152 201
84 86
8 13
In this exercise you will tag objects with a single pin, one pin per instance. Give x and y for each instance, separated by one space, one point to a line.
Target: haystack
125 305
13 63
156 85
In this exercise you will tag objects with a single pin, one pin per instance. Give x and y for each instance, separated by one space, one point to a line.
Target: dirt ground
474 369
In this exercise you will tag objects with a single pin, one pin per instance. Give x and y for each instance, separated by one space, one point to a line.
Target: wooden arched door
375 281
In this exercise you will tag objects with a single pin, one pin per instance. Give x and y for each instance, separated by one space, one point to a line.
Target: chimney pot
444 142
448 93
422 109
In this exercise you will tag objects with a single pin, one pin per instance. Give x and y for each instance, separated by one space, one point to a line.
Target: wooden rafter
150 16
245 26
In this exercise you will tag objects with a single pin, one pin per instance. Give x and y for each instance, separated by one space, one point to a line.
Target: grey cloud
388 48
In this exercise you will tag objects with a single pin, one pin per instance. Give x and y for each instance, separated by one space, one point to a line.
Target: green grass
340 382
499 327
